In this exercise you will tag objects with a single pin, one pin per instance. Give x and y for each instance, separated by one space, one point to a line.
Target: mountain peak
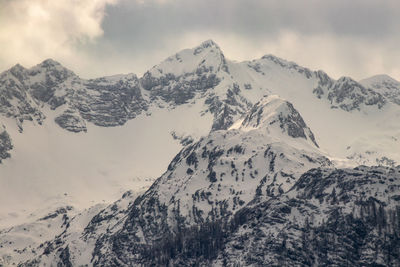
48 63
207 46
275 58
346 79
272 111
209 43
51 66
380 81
17 69
204 58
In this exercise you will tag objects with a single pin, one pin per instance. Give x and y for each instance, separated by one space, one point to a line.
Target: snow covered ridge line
227 90
111 101
105 101
265 112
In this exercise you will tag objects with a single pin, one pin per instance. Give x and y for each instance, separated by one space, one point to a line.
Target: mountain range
256 164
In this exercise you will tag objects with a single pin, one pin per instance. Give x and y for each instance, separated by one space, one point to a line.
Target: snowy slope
44 230
49 164
86 164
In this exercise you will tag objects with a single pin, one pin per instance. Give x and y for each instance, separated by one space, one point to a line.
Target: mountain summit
273 111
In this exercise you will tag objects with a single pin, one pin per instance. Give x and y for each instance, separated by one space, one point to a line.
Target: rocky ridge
227 90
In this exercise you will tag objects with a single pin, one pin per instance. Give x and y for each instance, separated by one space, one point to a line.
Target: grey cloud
252 18
356 38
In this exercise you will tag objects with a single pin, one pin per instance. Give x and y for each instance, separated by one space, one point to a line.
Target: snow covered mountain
67 143
242 196
209 180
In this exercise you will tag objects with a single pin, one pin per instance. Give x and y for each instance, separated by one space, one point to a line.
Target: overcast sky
357 38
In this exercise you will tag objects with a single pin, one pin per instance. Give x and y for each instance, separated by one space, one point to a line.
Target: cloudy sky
357 38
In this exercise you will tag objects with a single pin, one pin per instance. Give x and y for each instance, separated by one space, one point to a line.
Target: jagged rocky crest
274 110
111 101
198 75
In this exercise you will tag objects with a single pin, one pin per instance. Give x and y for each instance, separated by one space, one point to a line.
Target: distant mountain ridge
111 101
203 73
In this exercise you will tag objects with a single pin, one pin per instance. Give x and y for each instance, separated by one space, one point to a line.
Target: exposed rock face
5 144
273 110
288 65
330 217
346 93
15 102
107 101
110 101
181 89
46 80
71 121
228 108
179 78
